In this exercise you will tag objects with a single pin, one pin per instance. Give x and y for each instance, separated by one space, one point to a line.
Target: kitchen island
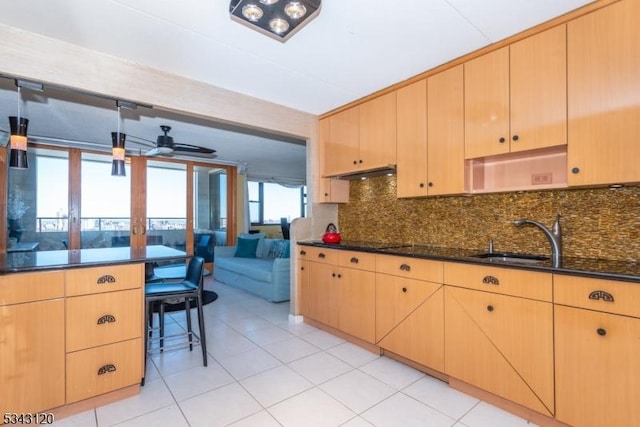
71 327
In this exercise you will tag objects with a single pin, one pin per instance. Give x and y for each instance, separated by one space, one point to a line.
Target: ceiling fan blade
159 151
192 149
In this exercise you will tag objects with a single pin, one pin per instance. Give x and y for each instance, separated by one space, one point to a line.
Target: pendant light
118 152
18 138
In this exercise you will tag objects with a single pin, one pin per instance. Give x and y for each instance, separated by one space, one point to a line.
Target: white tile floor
265 371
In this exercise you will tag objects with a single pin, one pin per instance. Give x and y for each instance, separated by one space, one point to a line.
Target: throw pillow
258 236
279 249
246 248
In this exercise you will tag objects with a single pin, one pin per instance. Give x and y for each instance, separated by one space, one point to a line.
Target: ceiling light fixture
117 140
277 19
18 130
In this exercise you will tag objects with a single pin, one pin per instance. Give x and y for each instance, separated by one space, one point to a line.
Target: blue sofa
267 275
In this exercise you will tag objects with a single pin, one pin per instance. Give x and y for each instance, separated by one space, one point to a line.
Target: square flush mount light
278 19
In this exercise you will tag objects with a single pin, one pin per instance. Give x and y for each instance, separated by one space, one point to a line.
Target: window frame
261 203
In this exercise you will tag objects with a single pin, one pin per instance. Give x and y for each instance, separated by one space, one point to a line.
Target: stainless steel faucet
554 236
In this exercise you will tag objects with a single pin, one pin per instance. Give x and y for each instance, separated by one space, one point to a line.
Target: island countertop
17 262
596 268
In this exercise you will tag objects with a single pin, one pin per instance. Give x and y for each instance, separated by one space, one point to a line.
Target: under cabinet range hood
369 173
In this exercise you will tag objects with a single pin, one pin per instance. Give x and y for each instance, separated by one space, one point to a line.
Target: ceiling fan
166 147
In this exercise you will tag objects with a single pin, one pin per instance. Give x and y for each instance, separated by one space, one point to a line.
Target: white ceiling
353 48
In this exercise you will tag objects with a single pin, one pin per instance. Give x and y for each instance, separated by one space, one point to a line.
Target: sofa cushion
279 248
257 269
246 248
260 237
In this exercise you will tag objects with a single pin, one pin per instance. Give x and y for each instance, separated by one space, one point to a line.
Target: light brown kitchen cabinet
342 291
302 281
431 136
332 190
322 298
360 138
501 342
597 341
604 96
410 309
340 136
515 96
328 190
32 364
103 329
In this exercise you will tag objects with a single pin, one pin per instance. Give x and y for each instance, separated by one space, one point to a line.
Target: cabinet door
331 190
322 293
355 291
32 369
378 132
302 294
445 118
486 104
410 319
501 344
341 148
412 140
539 90
597 368
604 95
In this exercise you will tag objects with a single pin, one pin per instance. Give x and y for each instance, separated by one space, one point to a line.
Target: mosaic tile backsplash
596 223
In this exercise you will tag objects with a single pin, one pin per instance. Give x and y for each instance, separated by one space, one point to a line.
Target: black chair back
194 271
284 225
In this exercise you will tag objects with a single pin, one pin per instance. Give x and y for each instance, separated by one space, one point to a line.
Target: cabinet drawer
507 281
610 296
323 255
26 287
302 252
411 268
103 369
357 260
83 281
94 320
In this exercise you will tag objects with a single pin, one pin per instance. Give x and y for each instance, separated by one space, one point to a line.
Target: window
166 204
38 202
105 203
268 202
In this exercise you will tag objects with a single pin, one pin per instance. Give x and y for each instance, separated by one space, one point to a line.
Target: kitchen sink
511 257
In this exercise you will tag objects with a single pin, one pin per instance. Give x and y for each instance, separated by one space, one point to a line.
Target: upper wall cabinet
431 136
604 96
361 138
328 190
515 97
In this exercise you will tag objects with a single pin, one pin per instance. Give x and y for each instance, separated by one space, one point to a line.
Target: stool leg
187 309
203 340
161 321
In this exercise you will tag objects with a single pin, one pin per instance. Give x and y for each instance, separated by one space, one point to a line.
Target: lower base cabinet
502 344
597 368
102 369
410 319
32 356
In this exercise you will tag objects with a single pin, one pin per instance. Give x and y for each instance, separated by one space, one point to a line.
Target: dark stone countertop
596 268
16 262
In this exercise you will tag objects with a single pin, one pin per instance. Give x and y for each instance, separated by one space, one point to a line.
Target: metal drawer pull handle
601 295
354 260
404 290
601 331
489 308
303 253
106 369
107 278
490 280
405 267
321 255
107 318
